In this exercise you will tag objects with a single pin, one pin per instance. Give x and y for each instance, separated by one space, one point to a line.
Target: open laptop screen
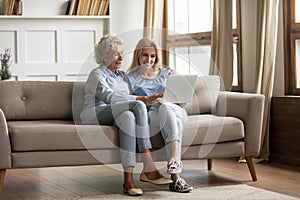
180 88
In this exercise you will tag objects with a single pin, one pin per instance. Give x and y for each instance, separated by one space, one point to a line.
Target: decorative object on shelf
6 61
18 7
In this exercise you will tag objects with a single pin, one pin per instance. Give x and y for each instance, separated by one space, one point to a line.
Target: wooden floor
76 182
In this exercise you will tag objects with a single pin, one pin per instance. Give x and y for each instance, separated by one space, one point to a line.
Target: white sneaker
174 166
180 186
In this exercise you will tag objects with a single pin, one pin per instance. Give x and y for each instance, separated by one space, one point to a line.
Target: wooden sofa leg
209 164
2 174
250 164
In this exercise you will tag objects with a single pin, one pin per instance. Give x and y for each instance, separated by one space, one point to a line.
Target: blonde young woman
107 101
147 77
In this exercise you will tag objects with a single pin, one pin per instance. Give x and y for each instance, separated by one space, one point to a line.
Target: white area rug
232 192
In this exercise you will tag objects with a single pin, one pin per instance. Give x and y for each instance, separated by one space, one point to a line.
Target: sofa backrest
205 96
21 100
77 100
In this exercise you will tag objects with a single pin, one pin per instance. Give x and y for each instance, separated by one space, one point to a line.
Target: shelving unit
55 17
48 45
284 130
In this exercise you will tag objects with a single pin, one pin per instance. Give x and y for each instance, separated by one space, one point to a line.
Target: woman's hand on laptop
155 98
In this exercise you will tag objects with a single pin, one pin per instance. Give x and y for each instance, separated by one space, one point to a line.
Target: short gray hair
102 48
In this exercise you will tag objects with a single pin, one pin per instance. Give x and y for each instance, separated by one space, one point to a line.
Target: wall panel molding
55 49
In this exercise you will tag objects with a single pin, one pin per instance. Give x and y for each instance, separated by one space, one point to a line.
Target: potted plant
6 61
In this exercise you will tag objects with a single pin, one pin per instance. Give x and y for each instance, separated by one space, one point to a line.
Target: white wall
127 18
46 45
49 8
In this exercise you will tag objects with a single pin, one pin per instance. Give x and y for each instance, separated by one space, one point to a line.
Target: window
189 37
297 10
292 46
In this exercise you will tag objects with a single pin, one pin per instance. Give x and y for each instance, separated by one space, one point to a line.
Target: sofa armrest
5 150
249 108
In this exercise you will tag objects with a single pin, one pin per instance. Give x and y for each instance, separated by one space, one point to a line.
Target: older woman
107 101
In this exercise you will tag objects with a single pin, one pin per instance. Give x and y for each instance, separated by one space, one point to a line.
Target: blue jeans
132 119
169 119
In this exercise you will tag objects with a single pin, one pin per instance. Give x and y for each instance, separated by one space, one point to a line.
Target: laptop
180 88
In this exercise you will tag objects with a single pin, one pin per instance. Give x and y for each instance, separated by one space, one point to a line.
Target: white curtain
267 29
222 42
153 19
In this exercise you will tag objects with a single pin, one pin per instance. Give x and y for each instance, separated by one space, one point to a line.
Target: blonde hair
143 43
103 47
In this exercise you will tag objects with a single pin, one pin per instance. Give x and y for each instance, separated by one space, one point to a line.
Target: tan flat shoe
133 191
160 181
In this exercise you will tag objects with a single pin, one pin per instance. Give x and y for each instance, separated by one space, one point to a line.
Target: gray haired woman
107 101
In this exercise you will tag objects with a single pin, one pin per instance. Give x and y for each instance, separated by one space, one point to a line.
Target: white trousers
169 118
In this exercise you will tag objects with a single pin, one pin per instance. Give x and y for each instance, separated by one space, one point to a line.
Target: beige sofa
39 127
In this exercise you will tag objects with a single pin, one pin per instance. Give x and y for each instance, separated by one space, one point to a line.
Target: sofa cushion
36 100
206 129
205 95
211 129
60 135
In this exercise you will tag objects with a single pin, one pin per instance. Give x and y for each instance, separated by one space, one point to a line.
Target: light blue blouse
141 86
102 88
